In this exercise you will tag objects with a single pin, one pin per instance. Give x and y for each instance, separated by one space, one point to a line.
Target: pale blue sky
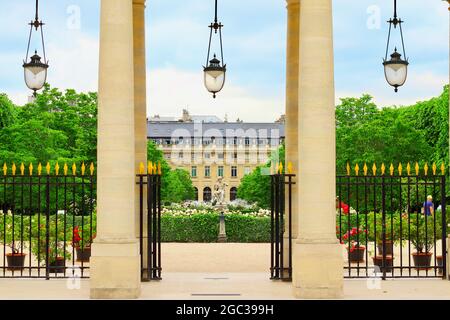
254 45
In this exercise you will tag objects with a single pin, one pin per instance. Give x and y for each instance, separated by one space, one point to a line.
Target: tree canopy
62 127
368 134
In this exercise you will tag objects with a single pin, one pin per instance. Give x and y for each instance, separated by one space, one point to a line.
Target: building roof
168 129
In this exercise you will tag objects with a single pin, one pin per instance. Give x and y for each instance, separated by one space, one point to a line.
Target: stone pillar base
318 271
115 270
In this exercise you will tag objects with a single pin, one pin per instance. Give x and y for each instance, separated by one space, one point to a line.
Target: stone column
140 103
318 262
115 265
291 127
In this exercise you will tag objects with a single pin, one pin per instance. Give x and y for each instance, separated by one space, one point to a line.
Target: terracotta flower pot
16 261
57 266
422 260
389 247
83 255
356 254
378 261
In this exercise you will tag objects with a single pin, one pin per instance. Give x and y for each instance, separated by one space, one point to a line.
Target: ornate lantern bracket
35 71
395 69
215 70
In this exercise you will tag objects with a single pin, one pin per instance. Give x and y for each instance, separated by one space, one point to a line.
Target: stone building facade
208 147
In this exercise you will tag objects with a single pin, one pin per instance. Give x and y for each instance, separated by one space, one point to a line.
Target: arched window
195 193
233 194
207 194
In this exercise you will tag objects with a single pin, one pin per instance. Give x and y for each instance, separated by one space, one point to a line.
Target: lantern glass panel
214 80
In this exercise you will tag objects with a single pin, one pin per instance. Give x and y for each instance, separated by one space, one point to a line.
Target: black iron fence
47 221
150 222
281 226
393 224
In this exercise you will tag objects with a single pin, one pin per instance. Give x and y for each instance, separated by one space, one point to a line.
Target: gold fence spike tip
47 168
357 169
348 168
149 167
425 168
92 168
391 169
155 168
159 168
13 169
289 168
57 168
39 169
383 169
443 168
30 169
66 169
5 169
408 169
22 169
434 168
83 169
374 169
141 168
417 168
74 169
365 169
280 168
400 169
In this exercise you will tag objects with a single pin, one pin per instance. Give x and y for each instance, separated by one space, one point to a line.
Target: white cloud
419 86
170 90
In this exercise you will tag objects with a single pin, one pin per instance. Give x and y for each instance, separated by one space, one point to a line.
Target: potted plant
355 240
392 231
82 240
13 232
56 248
422 238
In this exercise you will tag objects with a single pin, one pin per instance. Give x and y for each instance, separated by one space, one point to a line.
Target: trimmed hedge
205 228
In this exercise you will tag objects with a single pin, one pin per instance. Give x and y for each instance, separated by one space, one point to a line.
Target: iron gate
150 222
47 221
281 217
386 224
383 220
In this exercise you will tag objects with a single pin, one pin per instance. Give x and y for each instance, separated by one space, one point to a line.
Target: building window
195 193
194 172
235 155
220 155
234 171
207 171
233 194
180 155
247 170
207 155
247 141
220 171
207 194
235 140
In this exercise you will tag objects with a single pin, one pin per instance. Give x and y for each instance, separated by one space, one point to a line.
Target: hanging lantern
35 71
395 69
215 70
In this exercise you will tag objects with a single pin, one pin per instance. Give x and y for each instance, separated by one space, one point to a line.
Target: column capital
139 2
292 2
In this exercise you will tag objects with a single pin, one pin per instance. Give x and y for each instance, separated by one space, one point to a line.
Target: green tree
255 187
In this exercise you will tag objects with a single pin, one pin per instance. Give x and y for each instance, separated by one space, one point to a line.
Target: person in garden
428 206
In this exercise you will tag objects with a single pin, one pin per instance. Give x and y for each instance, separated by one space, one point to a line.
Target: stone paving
223 271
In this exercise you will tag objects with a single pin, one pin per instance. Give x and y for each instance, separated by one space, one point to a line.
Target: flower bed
200 223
